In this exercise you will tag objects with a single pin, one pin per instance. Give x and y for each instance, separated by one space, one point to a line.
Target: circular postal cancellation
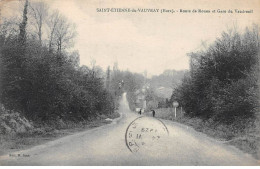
146 134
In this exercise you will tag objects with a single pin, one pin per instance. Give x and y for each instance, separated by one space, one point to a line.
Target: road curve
106 145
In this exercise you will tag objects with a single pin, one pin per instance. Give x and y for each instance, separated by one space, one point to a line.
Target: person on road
140 111
153 112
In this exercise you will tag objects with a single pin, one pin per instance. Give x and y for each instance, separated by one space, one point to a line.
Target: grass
248 141
21 141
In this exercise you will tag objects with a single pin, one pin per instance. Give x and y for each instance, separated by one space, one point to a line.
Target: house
140 102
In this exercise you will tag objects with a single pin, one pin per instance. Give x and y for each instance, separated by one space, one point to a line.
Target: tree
222 82
13 69
22 26
108 78
61 32
52 23
45 85
64 34
39 13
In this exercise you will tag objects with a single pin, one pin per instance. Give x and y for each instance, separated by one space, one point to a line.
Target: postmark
145 134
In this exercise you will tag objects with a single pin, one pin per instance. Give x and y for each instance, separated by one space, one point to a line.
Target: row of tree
168 79
39 77
223 82
118 82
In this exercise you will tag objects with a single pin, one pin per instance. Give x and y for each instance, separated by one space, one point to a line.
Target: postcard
129 83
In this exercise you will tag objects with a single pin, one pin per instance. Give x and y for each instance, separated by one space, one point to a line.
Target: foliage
125 81
168 79
223 81
12 122
45 84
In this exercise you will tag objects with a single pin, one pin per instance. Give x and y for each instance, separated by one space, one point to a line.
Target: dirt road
106 146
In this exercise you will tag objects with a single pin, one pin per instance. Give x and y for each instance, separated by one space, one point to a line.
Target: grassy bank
20 141
247 140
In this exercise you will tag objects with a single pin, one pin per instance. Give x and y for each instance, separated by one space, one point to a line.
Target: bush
12 123
222 85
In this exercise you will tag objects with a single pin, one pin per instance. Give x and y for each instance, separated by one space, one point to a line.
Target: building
140 102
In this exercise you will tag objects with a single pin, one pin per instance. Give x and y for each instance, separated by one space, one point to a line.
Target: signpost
175 105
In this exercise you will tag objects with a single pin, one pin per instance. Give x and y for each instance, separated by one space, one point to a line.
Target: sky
149 41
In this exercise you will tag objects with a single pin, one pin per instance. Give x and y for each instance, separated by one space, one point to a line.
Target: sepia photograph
129 83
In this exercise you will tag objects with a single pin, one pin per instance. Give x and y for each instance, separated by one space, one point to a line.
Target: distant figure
153 112
140 111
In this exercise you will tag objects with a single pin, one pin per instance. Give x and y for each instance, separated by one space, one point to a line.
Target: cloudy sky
149 41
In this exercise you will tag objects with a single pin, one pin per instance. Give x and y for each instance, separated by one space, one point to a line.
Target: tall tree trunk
40 34
21 58
22 26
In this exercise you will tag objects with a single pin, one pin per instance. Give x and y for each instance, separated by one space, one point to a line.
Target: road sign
175 104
